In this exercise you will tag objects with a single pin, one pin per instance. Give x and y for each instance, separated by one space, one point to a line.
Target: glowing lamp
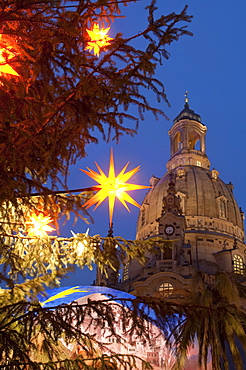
5 56
112 186
39 225
81 247
98 38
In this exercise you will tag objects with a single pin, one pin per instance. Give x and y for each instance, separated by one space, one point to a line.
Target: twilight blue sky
211 66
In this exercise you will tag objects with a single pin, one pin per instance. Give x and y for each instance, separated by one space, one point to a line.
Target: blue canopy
66 295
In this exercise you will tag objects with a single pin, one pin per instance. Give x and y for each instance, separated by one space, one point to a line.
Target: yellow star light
112 186
99 38
5 56
81 246
39 225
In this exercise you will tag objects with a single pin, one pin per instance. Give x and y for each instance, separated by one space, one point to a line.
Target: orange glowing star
99 38
113 187
5 56
39 225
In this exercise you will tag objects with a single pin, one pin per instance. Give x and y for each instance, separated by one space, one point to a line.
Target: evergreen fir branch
170 317
62 91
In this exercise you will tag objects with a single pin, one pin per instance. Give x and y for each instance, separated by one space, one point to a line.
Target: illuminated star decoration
38 225
81 245
99 38
5 56
112 186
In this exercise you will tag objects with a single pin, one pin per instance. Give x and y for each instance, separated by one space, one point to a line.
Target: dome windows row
188 160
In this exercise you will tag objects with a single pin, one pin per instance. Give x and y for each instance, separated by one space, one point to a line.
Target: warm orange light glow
38 225
5 56
99 38
112 186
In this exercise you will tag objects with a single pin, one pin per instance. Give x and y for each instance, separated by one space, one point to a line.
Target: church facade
194 208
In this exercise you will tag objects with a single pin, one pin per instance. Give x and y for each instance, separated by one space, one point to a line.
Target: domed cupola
207 203
187 113
188 140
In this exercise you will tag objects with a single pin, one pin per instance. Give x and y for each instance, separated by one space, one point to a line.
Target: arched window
222 209
197 145
238 264
194 140
177 143
166 289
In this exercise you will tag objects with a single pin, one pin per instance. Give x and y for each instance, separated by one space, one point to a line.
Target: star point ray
5 58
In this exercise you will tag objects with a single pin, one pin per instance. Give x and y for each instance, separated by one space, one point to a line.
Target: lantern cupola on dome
188 140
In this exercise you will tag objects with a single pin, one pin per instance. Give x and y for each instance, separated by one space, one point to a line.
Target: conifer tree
56 95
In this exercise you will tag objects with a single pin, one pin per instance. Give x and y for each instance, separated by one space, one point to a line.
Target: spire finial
110 232
186 100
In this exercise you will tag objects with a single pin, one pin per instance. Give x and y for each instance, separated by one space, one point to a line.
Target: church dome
207 203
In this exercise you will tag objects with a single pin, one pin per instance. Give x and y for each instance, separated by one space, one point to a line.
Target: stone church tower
193 207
